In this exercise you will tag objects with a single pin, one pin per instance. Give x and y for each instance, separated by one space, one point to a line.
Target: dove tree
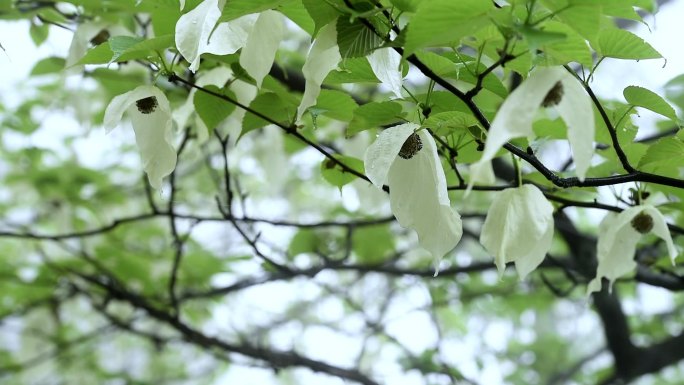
339 191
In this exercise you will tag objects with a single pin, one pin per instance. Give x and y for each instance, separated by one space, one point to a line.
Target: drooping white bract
418 193
385 65
517 113
259 52
323 57
618 237
518 228
197 32
150 113
84 33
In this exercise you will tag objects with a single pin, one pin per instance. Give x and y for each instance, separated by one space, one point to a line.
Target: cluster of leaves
230 100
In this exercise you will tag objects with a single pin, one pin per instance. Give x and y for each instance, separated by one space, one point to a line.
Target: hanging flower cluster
407 161
619 235
150 113
519 225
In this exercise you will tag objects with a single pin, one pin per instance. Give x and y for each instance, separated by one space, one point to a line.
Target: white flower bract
197 32
418 194
518 228
323 57
385 65
153 130
517 113
617 243
260 48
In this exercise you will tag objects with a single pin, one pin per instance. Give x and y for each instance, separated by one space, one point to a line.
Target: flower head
518 228
407 161
150 114
618 237
551 87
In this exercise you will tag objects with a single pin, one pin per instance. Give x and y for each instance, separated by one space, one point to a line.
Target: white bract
197 32
618 237
385 65
518 228
418 191
150 114
517 113
85 32
259 52
323 57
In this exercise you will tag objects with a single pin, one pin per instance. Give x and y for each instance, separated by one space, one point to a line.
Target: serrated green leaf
336 175
119 45
236 8
212 109
48 65
445 22
674 91
101 54
352 70
295 11
355 39
406 5
271 105
39 33
642 97
321 12
336 104
572 48
372 115
372 243
666 150
447 123
146 47
621 44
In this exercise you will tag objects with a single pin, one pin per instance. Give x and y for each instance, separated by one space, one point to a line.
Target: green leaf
372 243
352 70
146 47
236 8
355 39
295 11
445 22
39 33
406 5
119 44
271 105
674 90
621 44
447 123
321 12
337 176
642 97
336 104
212 109
669 151
374 114
48 65
572 48
101 54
